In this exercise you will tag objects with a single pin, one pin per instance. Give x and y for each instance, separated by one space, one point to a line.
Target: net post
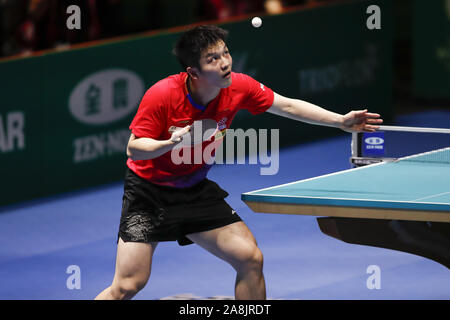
354 144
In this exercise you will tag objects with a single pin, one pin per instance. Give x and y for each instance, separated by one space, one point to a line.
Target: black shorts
154 213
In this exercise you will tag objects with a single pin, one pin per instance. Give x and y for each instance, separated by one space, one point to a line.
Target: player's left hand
361 120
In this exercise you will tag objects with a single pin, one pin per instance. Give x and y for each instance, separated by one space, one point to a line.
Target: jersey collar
196 105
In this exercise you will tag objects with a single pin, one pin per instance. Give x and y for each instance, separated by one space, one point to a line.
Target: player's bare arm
300 110
148 148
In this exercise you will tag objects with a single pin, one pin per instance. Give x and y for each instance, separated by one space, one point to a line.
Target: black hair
193 42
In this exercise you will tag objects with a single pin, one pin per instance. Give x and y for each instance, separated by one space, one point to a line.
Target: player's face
215 64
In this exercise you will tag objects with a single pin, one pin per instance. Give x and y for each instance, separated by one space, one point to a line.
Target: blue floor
41 239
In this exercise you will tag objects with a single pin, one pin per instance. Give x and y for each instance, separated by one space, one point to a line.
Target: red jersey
167 105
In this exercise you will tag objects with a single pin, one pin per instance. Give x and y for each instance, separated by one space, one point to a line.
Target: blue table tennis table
402 204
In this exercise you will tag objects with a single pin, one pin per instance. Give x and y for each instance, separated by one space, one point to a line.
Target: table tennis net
411 144
441 156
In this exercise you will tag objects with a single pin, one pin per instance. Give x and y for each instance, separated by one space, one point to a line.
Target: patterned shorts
153 213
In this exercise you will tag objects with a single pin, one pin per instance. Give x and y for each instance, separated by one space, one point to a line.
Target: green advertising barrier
431 49
22 143
64 116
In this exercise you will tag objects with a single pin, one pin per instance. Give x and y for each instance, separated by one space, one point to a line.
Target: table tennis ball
256 22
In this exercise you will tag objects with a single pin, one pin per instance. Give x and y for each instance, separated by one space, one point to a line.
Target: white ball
256 22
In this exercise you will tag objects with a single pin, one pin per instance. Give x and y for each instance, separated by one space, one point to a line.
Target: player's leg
133 265
235 244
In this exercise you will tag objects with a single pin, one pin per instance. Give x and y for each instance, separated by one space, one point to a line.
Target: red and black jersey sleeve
151 117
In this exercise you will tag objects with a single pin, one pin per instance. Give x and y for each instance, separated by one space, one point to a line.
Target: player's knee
127 289
257 259
252 259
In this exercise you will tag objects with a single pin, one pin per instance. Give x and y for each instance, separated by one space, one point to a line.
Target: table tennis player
164 201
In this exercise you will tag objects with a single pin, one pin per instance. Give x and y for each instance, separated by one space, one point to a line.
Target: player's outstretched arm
300 110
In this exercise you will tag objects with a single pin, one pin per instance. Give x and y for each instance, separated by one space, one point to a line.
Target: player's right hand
177 136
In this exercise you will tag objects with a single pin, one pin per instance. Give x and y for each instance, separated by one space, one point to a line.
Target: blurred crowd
31 25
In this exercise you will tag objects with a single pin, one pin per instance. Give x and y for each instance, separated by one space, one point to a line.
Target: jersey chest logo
222 124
